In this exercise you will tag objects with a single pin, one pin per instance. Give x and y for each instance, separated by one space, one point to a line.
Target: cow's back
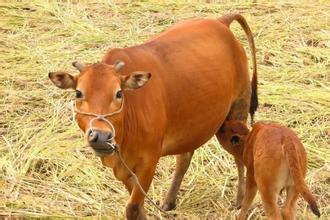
198 69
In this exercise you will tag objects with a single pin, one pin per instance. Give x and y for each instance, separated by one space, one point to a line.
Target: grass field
45 167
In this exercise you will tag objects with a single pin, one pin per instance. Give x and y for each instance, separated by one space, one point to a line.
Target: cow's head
233 134
100 90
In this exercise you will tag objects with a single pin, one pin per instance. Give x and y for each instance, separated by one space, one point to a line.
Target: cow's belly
189 133
198 104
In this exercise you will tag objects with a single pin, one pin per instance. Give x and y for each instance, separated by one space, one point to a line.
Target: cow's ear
135 80
63 80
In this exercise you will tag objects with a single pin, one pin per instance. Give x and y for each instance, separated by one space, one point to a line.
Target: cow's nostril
92 136
109 136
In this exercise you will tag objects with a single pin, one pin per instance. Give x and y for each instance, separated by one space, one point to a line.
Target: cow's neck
130 123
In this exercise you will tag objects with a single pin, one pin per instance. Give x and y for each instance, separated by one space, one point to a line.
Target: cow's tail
227 20
290 152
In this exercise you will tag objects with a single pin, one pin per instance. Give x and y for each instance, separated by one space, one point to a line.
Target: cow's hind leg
238 111
240 172
182 164
241 183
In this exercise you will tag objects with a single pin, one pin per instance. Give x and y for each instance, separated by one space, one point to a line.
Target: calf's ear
240 128
135 80
63 80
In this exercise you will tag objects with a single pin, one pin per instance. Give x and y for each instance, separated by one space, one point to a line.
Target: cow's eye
78 94
119 94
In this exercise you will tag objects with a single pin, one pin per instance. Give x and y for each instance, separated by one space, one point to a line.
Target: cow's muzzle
100 141
103 142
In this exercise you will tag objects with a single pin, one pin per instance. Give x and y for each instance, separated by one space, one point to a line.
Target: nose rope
101 118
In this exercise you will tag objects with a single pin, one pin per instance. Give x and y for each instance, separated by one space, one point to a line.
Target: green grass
45 168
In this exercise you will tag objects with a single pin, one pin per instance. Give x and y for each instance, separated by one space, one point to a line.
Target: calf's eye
78 94
119 94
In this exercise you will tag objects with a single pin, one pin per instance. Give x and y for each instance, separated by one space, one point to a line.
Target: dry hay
45 168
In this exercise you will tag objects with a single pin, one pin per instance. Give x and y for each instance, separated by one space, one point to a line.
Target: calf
275 160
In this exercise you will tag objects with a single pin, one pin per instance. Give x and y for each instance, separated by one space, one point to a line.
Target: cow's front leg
129 184
134 207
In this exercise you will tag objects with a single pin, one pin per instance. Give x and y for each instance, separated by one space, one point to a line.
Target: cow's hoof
168 206
237 205
238 202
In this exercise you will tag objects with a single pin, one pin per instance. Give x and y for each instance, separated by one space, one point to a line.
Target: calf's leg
268 178
289 208
182 165
269 200
250 193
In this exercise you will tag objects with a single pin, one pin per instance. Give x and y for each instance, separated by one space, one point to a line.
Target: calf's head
99 100
232 136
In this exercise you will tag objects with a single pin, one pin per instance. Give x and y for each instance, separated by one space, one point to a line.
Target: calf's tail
297 175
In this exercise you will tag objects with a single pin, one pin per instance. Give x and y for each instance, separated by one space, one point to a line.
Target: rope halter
100 117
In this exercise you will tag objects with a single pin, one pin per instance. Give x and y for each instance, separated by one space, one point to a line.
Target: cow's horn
118 65
78 65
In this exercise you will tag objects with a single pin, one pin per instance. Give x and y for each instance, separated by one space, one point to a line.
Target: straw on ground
45 168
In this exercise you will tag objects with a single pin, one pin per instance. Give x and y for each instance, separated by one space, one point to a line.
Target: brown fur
228 19
275 160
198 72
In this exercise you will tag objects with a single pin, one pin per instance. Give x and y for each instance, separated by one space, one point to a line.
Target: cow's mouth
108 149
103 152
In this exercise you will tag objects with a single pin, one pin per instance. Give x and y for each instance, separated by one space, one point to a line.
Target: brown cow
275 160
199 78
